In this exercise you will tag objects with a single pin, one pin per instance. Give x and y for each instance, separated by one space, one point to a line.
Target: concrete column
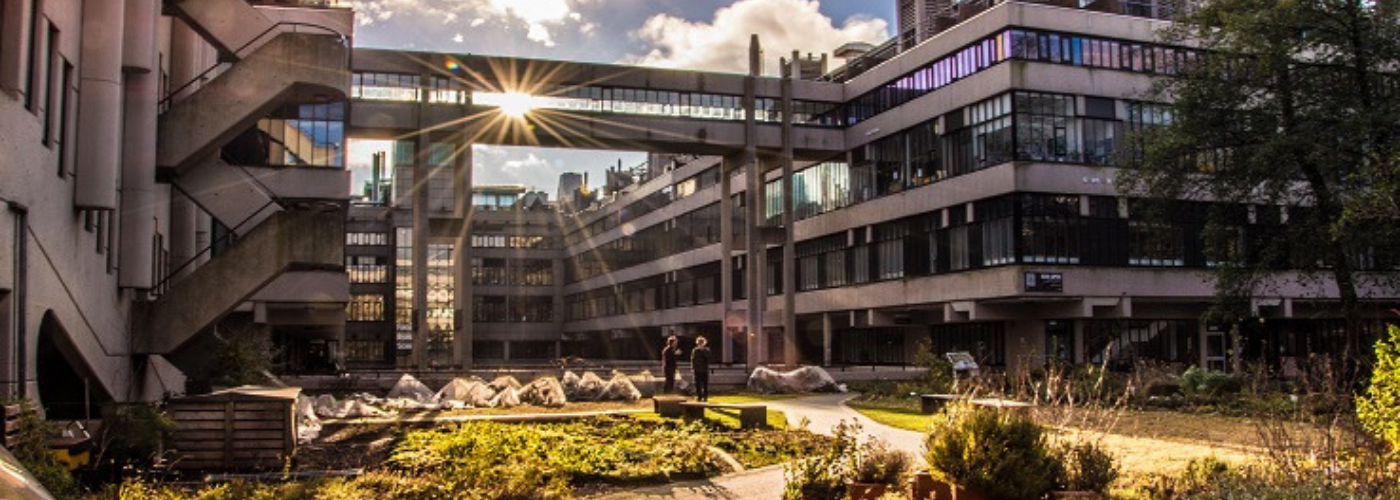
789 250
505 350
726 259
182 238
203 237
100 107
11 68
139 36
826 339
462 274
757 293
462 300
421 233
138 218
185 49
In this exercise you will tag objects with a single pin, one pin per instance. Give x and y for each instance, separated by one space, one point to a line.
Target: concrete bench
667 406
931 403
750 416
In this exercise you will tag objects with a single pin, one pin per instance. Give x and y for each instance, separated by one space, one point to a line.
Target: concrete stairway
291 68
286 241
228 25
243 197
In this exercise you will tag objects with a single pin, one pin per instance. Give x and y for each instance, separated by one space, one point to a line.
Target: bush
1379 408
133 434
32 450
1211 479
1006 456
1201 384
1086 467
878 463
824 476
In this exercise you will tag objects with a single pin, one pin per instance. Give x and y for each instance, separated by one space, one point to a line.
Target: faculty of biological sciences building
176 170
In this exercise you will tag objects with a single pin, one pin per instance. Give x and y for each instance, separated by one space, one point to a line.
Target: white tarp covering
355 406
570 382
469 392
412 389
546 391
589 388
620 388
308 425
506 398
804 379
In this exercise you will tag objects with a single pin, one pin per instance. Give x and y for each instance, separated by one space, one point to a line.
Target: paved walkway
822 413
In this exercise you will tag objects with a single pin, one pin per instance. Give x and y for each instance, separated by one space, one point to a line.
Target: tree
1291 107
1379 408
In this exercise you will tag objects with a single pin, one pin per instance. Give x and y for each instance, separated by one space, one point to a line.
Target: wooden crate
13 412
241 428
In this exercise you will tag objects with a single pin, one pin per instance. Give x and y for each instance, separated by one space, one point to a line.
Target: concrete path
822 413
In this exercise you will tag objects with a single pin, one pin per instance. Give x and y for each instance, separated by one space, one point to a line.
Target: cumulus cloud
723 43
540 19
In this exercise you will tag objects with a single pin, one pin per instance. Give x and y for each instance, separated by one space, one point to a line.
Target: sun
516 104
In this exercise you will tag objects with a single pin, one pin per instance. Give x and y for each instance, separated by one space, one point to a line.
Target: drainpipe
21 264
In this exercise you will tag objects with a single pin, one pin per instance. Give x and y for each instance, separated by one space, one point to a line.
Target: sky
691 34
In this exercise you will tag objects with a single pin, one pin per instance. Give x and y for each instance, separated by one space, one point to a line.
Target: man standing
670 357
700 362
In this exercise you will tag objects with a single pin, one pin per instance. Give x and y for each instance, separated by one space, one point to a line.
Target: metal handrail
344 40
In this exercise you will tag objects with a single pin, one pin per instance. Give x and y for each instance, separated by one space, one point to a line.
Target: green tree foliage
1379 408
1004 455
1294 103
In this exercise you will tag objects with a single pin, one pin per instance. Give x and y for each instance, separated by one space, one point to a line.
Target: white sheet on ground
804 379
620 388
589 387
308 426
544 391
410 388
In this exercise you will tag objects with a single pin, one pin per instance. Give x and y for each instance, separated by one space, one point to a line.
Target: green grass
752 397
901 418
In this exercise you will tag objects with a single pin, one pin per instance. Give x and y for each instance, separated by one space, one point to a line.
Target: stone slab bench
751 416
667 406
931 403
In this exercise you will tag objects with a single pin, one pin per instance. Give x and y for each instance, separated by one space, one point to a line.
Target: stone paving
822 413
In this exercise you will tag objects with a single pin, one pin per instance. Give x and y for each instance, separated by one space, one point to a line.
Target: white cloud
723 43
538 18
458 38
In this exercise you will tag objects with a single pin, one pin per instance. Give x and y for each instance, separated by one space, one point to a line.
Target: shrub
32 450
876 462
133 434
1087 467
1202 384
1379 408
824 476
1004 455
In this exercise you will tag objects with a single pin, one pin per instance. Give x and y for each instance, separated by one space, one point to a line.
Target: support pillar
462 259
99 106
826 339
183 213
789 250
138 196
726 251
757 292
421 233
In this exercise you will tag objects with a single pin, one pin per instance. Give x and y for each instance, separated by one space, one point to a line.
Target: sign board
962 361
1045 282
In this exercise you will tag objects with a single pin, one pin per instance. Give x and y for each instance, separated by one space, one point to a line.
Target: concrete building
171 169
954 186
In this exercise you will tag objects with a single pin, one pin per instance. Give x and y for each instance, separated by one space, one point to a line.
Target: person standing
700 362
670 357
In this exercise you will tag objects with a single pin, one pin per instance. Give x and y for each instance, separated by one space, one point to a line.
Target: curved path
822 412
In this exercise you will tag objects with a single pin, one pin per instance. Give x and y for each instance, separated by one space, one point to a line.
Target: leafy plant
133 434
1086 467
31 448
1379 408
1202 384
1004 455
824 477
876 462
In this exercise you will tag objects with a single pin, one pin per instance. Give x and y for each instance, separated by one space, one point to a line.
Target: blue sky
694 34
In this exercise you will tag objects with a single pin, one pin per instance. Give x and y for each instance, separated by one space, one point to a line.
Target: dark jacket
670 356
700 359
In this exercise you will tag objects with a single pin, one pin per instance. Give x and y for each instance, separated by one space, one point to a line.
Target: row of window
367 239
650 203
512 309
688 231
504 241
524 272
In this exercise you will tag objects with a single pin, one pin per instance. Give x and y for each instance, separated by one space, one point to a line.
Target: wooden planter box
241 428
924 487
865 491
